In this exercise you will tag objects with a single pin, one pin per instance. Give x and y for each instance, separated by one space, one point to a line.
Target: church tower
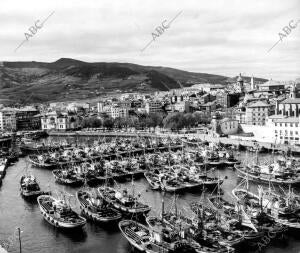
240 82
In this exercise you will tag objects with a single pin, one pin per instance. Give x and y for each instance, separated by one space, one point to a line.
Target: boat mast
176 211
20 242
162 207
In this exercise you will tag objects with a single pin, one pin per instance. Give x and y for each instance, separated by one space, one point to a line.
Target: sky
225 37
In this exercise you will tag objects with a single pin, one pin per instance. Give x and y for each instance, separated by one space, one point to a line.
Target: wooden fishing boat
153 179
30 188
59 214
230 160
141 238
94 208
271 204
228 219
268 174
182 230
41 161
123 201
258 219
67 177
29 148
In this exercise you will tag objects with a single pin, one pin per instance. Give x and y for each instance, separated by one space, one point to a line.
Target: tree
91 122
108 123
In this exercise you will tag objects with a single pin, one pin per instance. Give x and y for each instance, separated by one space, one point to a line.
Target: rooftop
291 101
271 83
258 104
287 120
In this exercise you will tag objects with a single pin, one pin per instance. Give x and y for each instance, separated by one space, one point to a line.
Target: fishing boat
126 203
153 179
228 219
230 160
42 161
67 177
59 214
37 148
141 238
94 209
273 205
29 187
273 173
182 230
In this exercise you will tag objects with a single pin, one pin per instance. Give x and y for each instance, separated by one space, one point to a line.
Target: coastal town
152 127
174 142
245 109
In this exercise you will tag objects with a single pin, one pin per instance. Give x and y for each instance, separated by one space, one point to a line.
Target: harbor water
40 237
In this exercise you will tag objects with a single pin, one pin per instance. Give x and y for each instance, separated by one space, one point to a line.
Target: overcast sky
212 36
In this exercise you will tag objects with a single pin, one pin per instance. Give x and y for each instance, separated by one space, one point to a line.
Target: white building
100 107
153 106
8 119
118 112
59 121
285 124
257 113
285 130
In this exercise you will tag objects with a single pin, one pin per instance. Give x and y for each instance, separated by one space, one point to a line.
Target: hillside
69 79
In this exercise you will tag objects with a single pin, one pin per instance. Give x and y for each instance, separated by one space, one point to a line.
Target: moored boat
274 206
29 187
123 201
94 208
268 174
67 177
59 214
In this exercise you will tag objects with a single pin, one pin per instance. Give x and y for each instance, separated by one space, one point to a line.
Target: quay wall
261 133
231 140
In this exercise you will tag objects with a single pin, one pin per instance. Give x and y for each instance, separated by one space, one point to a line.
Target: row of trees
184 120
173 121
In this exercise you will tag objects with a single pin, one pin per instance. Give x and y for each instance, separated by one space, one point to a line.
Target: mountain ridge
71 79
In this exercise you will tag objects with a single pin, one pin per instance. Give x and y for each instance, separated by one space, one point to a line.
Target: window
280 124
275 124
285 124
291 125
296 125
291 132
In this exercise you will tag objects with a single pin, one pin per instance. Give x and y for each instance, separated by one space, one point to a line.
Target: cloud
218 36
